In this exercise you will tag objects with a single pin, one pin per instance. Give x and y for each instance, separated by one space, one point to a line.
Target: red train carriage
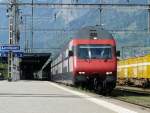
90 58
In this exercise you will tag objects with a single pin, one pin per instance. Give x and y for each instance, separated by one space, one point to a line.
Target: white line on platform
100 102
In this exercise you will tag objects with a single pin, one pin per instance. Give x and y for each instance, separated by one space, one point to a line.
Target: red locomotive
90 58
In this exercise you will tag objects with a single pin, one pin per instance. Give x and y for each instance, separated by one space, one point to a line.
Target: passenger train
89 58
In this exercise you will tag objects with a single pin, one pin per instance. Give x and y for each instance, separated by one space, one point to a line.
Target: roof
37 54
93 31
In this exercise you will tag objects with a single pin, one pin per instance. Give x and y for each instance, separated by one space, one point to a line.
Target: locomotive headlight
81 73
95 38
108 73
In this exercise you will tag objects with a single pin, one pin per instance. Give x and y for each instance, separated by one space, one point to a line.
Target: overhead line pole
148 16
25 48
32 34
13 15
100 15
148 40
11 11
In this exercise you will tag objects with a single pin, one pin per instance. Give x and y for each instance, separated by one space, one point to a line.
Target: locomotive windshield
94 51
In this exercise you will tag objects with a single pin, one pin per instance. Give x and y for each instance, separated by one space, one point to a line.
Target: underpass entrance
31 63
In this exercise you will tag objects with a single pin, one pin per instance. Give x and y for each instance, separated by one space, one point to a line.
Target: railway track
134 89
134 103
132 95
136 96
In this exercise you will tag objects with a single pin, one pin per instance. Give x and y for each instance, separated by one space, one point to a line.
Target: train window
66 53
95 51
83 52
60 58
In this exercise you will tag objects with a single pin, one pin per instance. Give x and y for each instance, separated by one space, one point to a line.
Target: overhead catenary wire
81 5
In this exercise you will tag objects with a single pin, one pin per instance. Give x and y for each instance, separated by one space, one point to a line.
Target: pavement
48 97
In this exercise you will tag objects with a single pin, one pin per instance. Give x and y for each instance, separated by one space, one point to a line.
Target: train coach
89 58
134 71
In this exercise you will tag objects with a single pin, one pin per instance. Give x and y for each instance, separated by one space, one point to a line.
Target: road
47 97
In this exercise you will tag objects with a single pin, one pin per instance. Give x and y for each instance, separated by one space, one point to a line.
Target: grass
127 96
132 97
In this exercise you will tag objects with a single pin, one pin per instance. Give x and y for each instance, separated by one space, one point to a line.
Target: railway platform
48 97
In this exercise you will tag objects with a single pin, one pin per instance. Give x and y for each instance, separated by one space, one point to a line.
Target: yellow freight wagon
120 69
147 63
135 70
140 67
130 67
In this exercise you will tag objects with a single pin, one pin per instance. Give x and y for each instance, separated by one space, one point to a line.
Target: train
134 71
89 58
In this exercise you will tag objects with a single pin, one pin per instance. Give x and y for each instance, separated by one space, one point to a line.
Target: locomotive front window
94 51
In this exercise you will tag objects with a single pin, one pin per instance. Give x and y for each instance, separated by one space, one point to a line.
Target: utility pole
148 16
100 16
16 24
11 33
25 48
13 14
32 35
148 40
100 11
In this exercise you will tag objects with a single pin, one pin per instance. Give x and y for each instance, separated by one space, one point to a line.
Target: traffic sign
10 47
18 54
15 54
3 54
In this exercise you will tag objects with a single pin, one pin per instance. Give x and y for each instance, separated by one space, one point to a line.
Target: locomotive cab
95 60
